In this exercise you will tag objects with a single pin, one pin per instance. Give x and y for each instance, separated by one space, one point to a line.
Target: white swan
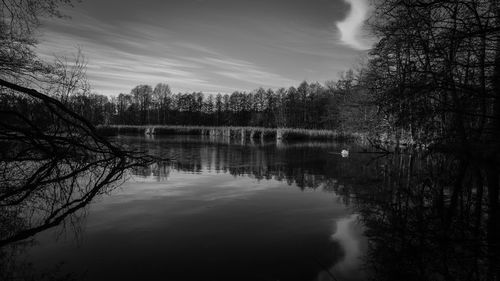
344 153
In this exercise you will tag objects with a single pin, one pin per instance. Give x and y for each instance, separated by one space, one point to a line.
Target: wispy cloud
351 27
112 69
248 72
195 47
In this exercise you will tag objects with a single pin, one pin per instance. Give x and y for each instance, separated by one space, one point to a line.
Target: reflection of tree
307 166
36 196
427 217
56 193
430 219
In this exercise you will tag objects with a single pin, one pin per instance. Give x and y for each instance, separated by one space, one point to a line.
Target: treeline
435 71
310 105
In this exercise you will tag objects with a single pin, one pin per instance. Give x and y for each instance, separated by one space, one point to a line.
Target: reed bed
230 132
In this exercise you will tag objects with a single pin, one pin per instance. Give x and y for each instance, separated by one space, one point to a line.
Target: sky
210 46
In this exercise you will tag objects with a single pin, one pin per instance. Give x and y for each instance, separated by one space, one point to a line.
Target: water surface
229 210
217 210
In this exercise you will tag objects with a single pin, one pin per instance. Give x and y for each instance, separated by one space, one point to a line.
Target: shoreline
232 132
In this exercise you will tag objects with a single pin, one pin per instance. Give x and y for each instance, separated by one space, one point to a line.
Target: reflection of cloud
347 234
351 27
349 243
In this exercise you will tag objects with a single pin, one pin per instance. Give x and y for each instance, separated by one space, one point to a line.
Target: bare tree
69 77
161 99
433 70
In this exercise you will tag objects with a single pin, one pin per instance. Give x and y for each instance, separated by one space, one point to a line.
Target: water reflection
224 210
39 191
435 216
348 236
305 164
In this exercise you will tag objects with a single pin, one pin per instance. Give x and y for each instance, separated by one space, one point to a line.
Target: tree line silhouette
310 105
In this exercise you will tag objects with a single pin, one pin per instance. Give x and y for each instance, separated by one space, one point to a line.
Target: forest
310 106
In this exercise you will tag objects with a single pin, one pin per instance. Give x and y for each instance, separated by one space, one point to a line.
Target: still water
224 210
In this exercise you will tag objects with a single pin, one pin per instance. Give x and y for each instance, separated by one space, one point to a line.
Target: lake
220 209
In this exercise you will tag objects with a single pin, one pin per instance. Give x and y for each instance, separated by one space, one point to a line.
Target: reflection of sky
194 214
348 236
180 184
216 220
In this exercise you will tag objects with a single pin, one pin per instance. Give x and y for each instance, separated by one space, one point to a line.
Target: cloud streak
351 27
217 46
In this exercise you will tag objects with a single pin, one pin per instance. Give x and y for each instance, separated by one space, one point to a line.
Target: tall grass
231 132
